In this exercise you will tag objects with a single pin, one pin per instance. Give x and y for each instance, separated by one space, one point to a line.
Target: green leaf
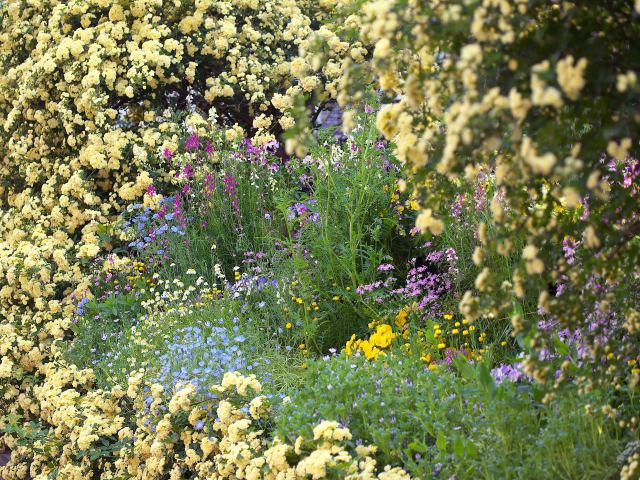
485 378
458 446
561 347
472 451
418 447
441 442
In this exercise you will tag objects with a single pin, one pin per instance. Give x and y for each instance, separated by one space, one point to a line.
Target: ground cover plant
198 281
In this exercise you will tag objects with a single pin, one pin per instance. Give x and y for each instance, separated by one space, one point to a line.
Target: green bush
543 94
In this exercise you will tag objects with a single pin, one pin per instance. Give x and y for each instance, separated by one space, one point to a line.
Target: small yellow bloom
401 318
289 325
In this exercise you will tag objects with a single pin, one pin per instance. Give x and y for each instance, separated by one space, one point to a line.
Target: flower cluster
429 279
176 433
466 96
375 345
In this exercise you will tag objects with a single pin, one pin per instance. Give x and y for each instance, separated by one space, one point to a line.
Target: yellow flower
401 318
369 350
383 336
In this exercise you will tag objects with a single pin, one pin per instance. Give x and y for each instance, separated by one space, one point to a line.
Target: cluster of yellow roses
172 440
86 97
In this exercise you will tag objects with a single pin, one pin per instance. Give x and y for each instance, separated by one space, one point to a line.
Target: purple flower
480 198
81 305
385 267
166 153
506 372
569 248
457 206
192 143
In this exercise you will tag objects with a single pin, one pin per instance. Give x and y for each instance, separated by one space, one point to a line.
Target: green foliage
543 96
354 230
449 423
101 329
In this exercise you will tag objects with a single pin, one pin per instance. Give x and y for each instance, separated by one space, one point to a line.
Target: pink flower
569 248
192 143
385 267
166 153
480 198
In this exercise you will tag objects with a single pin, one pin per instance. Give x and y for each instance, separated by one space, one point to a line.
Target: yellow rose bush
543 93
160 252
174 437
86 100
